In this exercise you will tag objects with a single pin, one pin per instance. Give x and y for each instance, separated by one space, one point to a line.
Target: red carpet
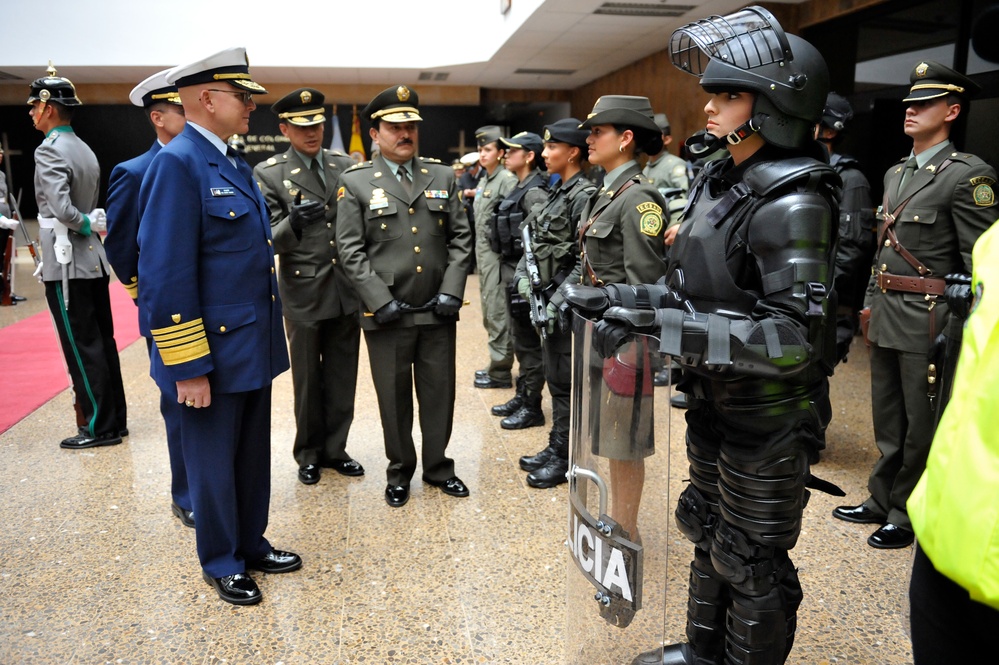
32 365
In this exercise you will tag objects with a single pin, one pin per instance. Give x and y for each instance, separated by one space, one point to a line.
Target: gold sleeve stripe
175 355
133 289
182 328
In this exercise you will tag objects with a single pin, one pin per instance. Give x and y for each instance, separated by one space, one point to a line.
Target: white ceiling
341 41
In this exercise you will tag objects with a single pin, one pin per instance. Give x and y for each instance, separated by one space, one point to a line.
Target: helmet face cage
747 39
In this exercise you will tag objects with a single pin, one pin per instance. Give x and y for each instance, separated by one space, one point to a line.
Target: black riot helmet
749 51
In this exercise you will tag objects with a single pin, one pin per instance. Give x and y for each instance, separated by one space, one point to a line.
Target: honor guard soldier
493 187
161 103
405 245
937 203
74 267
7 226
210 297
320 306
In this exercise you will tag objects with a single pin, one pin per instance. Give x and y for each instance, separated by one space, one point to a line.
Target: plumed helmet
749 51
53 88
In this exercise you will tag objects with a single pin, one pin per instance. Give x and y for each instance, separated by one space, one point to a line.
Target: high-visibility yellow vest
955 506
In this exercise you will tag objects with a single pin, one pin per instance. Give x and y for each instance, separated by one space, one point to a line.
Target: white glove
38 272
98 220
7 223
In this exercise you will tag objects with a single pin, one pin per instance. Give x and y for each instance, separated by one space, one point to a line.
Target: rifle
6 297
31 244
539 315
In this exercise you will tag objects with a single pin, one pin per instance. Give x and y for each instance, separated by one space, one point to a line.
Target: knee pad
695 517
748 567
765 499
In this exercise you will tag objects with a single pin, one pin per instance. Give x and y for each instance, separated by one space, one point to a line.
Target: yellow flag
356 145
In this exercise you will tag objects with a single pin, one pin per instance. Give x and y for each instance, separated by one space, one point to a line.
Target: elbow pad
769 348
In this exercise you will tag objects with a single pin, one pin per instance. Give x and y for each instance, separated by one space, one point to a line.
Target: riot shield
619 506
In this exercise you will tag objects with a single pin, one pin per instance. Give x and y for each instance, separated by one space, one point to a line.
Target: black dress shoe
238 589
346 467
123 432
81 441
17 298
186 516
857 514
396 495
276 561
891 537
479 373
489 382
452 486
309 474
679 401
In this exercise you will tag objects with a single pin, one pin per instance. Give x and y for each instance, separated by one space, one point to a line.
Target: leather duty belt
933 286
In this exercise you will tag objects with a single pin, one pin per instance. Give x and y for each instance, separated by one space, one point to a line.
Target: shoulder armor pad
767 177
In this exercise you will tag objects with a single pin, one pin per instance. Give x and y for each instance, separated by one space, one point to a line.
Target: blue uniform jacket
209 291
122 241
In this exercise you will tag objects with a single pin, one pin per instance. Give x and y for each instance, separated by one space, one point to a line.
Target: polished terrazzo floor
95 569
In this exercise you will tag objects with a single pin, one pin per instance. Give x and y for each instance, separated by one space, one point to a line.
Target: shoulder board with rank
432 160
359 165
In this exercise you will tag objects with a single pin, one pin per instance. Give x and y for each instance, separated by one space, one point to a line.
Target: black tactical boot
528 415
552 473
509 408
539 459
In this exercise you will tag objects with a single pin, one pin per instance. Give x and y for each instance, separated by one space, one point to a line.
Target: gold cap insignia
921 69
306 96
44 95
548 135
402 92
175 318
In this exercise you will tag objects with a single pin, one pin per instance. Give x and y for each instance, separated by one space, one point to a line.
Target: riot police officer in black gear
523 159
750 330
553 232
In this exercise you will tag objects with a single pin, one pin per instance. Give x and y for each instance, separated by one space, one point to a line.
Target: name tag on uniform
223 191
435 193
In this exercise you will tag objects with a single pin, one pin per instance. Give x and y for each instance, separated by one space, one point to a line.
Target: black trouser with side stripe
86 334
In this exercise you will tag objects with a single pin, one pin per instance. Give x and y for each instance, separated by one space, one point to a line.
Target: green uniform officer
405 245
320 307
936 205
493 187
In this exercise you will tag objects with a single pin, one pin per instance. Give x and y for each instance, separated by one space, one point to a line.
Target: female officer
621 240
553 241
744 309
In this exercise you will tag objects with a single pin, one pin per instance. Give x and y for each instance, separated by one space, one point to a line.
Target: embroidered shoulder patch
652 218
984 196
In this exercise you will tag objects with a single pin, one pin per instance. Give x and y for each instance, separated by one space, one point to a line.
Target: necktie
910 168
241 166
317 170
404 179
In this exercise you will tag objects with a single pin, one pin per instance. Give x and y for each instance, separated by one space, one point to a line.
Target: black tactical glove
447 305
388 312
958 294
305 214
608 336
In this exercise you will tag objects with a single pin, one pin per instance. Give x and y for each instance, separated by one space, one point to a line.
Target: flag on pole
337 143
356 146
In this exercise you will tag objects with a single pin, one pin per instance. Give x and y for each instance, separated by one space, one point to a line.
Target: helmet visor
747 39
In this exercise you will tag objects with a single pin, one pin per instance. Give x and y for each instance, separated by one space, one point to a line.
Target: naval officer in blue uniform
210 297
161 103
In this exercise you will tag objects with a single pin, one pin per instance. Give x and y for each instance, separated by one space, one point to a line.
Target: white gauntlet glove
98 220
7 223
